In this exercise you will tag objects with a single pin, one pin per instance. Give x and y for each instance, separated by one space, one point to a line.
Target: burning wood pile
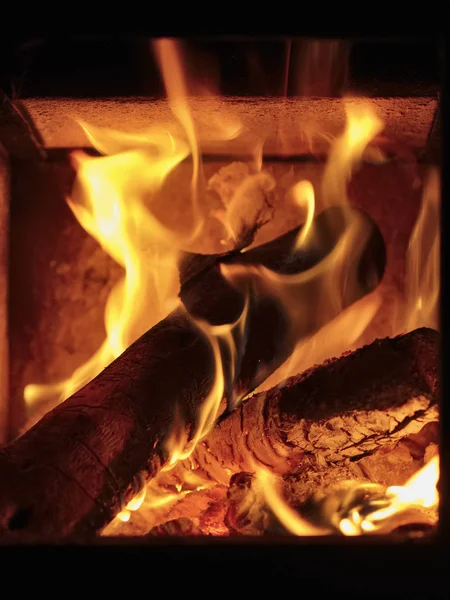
158 434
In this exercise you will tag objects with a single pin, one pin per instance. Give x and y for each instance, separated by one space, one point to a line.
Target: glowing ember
290 518
369 507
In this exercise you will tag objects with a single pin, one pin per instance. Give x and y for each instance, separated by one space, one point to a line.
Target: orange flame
303 193
109 200
287 516
420 490
177 446
423 262
342 331
169 55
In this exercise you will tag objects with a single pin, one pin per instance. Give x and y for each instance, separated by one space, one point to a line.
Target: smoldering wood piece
77 467
248 513
390 464
392 406
179 527
316 491
343 409
244 510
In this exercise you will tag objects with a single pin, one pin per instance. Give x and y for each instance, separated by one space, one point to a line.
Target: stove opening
223 308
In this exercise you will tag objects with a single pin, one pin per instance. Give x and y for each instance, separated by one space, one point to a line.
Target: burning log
249 513
317 431
343 409
77 467
319 493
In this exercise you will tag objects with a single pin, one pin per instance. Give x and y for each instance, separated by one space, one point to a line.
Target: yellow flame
110 201
289 517
344 327
303 193
177 445
341 333
169 55
419 491
347 150
157 493
423 262
323 284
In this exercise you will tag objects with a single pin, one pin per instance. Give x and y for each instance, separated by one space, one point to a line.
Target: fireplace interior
248 233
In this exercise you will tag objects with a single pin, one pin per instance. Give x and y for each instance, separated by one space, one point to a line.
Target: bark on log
367 406
344 409
75 469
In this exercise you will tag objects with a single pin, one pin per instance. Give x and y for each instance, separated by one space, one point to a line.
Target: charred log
381 429
318 493
77 467
342 410
313 492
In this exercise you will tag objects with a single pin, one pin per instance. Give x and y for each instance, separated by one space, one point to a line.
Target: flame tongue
355 508
375 510
423 262
110 200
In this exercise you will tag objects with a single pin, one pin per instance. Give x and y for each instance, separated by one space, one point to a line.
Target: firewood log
316 492
312 491
369 416
343 409
249 514
80 464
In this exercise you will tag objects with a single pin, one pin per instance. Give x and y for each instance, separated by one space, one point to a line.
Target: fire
112 201
419 491
134 504
177 446
303 193
423 261
347 150
287 516
422 487
170 60
342 332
